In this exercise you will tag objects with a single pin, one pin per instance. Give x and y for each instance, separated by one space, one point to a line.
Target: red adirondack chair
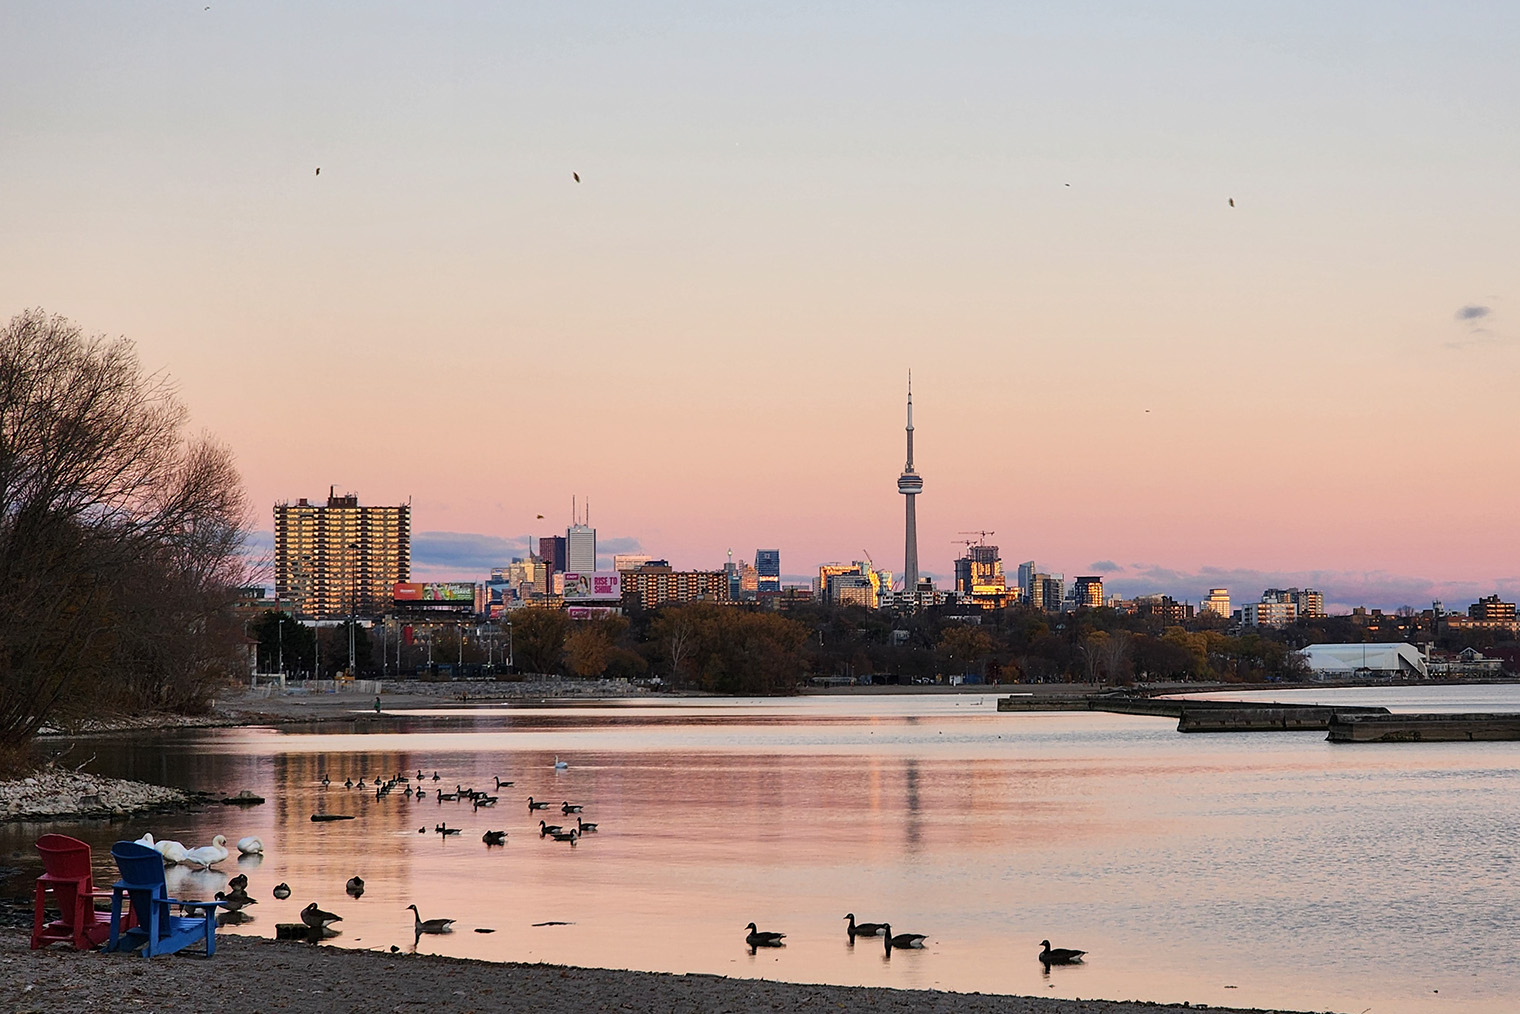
66 872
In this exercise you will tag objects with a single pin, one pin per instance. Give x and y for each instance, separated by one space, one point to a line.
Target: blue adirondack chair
158 931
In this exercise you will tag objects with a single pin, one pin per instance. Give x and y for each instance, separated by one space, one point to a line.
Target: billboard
460 592
600 586
592 612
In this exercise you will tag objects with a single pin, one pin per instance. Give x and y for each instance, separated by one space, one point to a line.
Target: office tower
551 548
580 549
1087 592
1217 602
1026 576
768 569
340 559
910 484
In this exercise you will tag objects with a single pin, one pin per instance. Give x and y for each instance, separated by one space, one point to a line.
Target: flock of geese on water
758 938
320 922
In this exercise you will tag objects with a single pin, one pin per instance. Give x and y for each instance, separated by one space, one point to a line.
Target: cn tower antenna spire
910 484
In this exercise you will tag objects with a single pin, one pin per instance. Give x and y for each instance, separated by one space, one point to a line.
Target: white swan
559 765
250 846
172 851
207 856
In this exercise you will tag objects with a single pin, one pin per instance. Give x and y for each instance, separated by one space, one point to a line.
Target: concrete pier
1426 728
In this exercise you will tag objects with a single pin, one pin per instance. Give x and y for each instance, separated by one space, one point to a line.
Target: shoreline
255 974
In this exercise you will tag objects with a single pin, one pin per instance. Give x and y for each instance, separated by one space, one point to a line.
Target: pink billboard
602 586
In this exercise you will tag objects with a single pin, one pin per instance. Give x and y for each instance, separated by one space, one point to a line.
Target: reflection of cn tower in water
910 484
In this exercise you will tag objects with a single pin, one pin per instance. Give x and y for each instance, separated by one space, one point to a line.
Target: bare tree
120 539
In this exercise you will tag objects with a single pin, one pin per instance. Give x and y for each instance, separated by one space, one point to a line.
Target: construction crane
981 537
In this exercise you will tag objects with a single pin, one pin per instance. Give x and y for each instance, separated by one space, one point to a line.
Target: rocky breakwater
72 795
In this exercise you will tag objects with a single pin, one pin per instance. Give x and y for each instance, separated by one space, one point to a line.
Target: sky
783 208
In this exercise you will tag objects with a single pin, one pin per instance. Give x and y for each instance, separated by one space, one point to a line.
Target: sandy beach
254 976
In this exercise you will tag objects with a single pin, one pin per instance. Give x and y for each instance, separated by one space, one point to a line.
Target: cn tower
910 484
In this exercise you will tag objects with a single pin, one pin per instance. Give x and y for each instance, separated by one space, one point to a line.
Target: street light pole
353 604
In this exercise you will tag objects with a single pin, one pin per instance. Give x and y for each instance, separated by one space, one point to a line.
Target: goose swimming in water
282 890
355 886
431 925
494 837
903 941
445 830
536 806
568 836
326 781
763 938
348 783
585 826
1059 955
500 783
544 829
314 917
567 808
862 929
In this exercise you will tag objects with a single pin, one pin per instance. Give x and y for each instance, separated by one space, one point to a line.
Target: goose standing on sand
250 846
354 887
1059 955
862 929
763 938
902 941
282 890
317 919
421 926
207 856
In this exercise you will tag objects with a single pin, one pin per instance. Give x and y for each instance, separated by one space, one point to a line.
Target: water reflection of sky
1307 874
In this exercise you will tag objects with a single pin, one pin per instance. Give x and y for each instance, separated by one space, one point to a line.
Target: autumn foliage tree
120 537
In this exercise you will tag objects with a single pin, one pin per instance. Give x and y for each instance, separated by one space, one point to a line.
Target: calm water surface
1255 870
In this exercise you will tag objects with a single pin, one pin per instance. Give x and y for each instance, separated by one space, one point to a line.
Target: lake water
1270 870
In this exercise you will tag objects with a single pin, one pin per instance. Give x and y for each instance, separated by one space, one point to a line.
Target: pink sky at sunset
782 210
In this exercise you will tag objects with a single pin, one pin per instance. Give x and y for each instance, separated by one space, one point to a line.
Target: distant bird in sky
319 170
1068 184
1232 202
540 517
577 177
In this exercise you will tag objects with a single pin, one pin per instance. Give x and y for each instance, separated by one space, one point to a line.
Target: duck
421 926
314 917
559 765
862 929
207 856
567 808
536 806
547 829
501 784
903 941
494 837
354 887
238 883
1059 955
585 826
250 846
282 890
763 938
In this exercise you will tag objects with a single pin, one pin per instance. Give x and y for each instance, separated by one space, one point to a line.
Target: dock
1424 728
1199 715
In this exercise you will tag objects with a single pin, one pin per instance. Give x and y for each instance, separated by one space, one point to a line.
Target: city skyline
1189 292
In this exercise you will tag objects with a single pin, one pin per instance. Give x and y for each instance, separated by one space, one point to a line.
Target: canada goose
354 887
585 827
484 801
445 830
207 856
431 925
568 836
862 929
544 829
502 784
348 783
282 890
446 795
238 883
1059 955
326 781
250 846
408 792
419 774
901 940
435 775
536 806
494 837
766 938
235 901
567 808
314 917
362 784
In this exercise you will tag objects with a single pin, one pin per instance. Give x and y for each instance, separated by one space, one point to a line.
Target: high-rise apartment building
340 559
1026 578
1268 614
656 584
768 570
1087 592
1217 602
580 549
1307 603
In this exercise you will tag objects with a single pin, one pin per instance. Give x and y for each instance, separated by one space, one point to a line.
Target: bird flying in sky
577 177
1232 202
319 170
